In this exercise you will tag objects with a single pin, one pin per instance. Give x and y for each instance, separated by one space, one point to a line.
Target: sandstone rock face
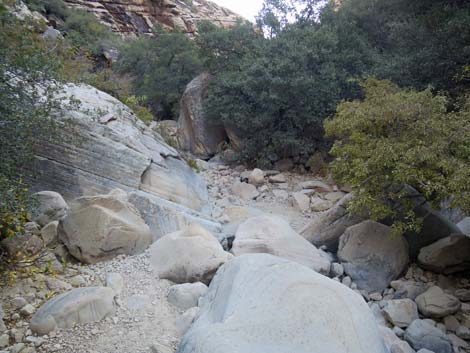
327 228
259 303
104 146
195 133
140 16
437 304
190 255
448 255
273 235
79 306
51 207
371 257
101 227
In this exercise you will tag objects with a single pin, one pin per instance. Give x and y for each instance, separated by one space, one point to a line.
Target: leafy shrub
162 66
141 112
399 137
49 7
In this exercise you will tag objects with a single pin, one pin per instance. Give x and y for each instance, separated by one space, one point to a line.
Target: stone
447 255
434 303
27 310
408 289
17 348
79 306
316 185
115 281
26 244
184 322
273 235
458 343
424 350
317 204
196 133
109 148
51 207
434 225
463 295
371 256
464 226
49 232
300 201
190 255
256 177
51 34
401 312
2 323
18 302
186 295
327 228
4 341
337 270
56 285
245 191
277 179
334 196
261 303
101 227
463 332
451 323
160 348
420 334
282 195
393 343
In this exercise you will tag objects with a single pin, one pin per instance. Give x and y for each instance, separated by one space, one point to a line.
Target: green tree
399 137
27 64
161 67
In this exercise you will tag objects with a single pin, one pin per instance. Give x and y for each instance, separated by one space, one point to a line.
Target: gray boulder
79 306
190 255
261 303
327 228
245 191
51 207
371 257
464 226
401 312
186 295
422 335
196 133
273 235
98 228
448 255
436 303
105 146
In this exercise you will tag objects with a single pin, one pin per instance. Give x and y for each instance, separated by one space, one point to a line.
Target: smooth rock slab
79 306
421 334
260 303
436 303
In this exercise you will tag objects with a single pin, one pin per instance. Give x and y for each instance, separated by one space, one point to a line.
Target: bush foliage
397 137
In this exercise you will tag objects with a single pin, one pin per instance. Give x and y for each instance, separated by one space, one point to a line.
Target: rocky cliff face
140 16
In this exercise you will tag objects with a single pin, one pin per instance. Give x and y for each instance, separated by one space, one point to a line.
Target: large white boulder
79 306
101 227
260 303
190 255
104 146
371 256
273 235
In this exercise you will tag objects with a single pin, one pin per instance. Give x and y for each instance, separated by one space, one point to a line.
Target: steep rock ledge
140 16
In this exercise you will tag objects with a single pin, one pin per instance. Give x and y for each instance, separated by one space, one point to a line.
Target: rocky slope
140 16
